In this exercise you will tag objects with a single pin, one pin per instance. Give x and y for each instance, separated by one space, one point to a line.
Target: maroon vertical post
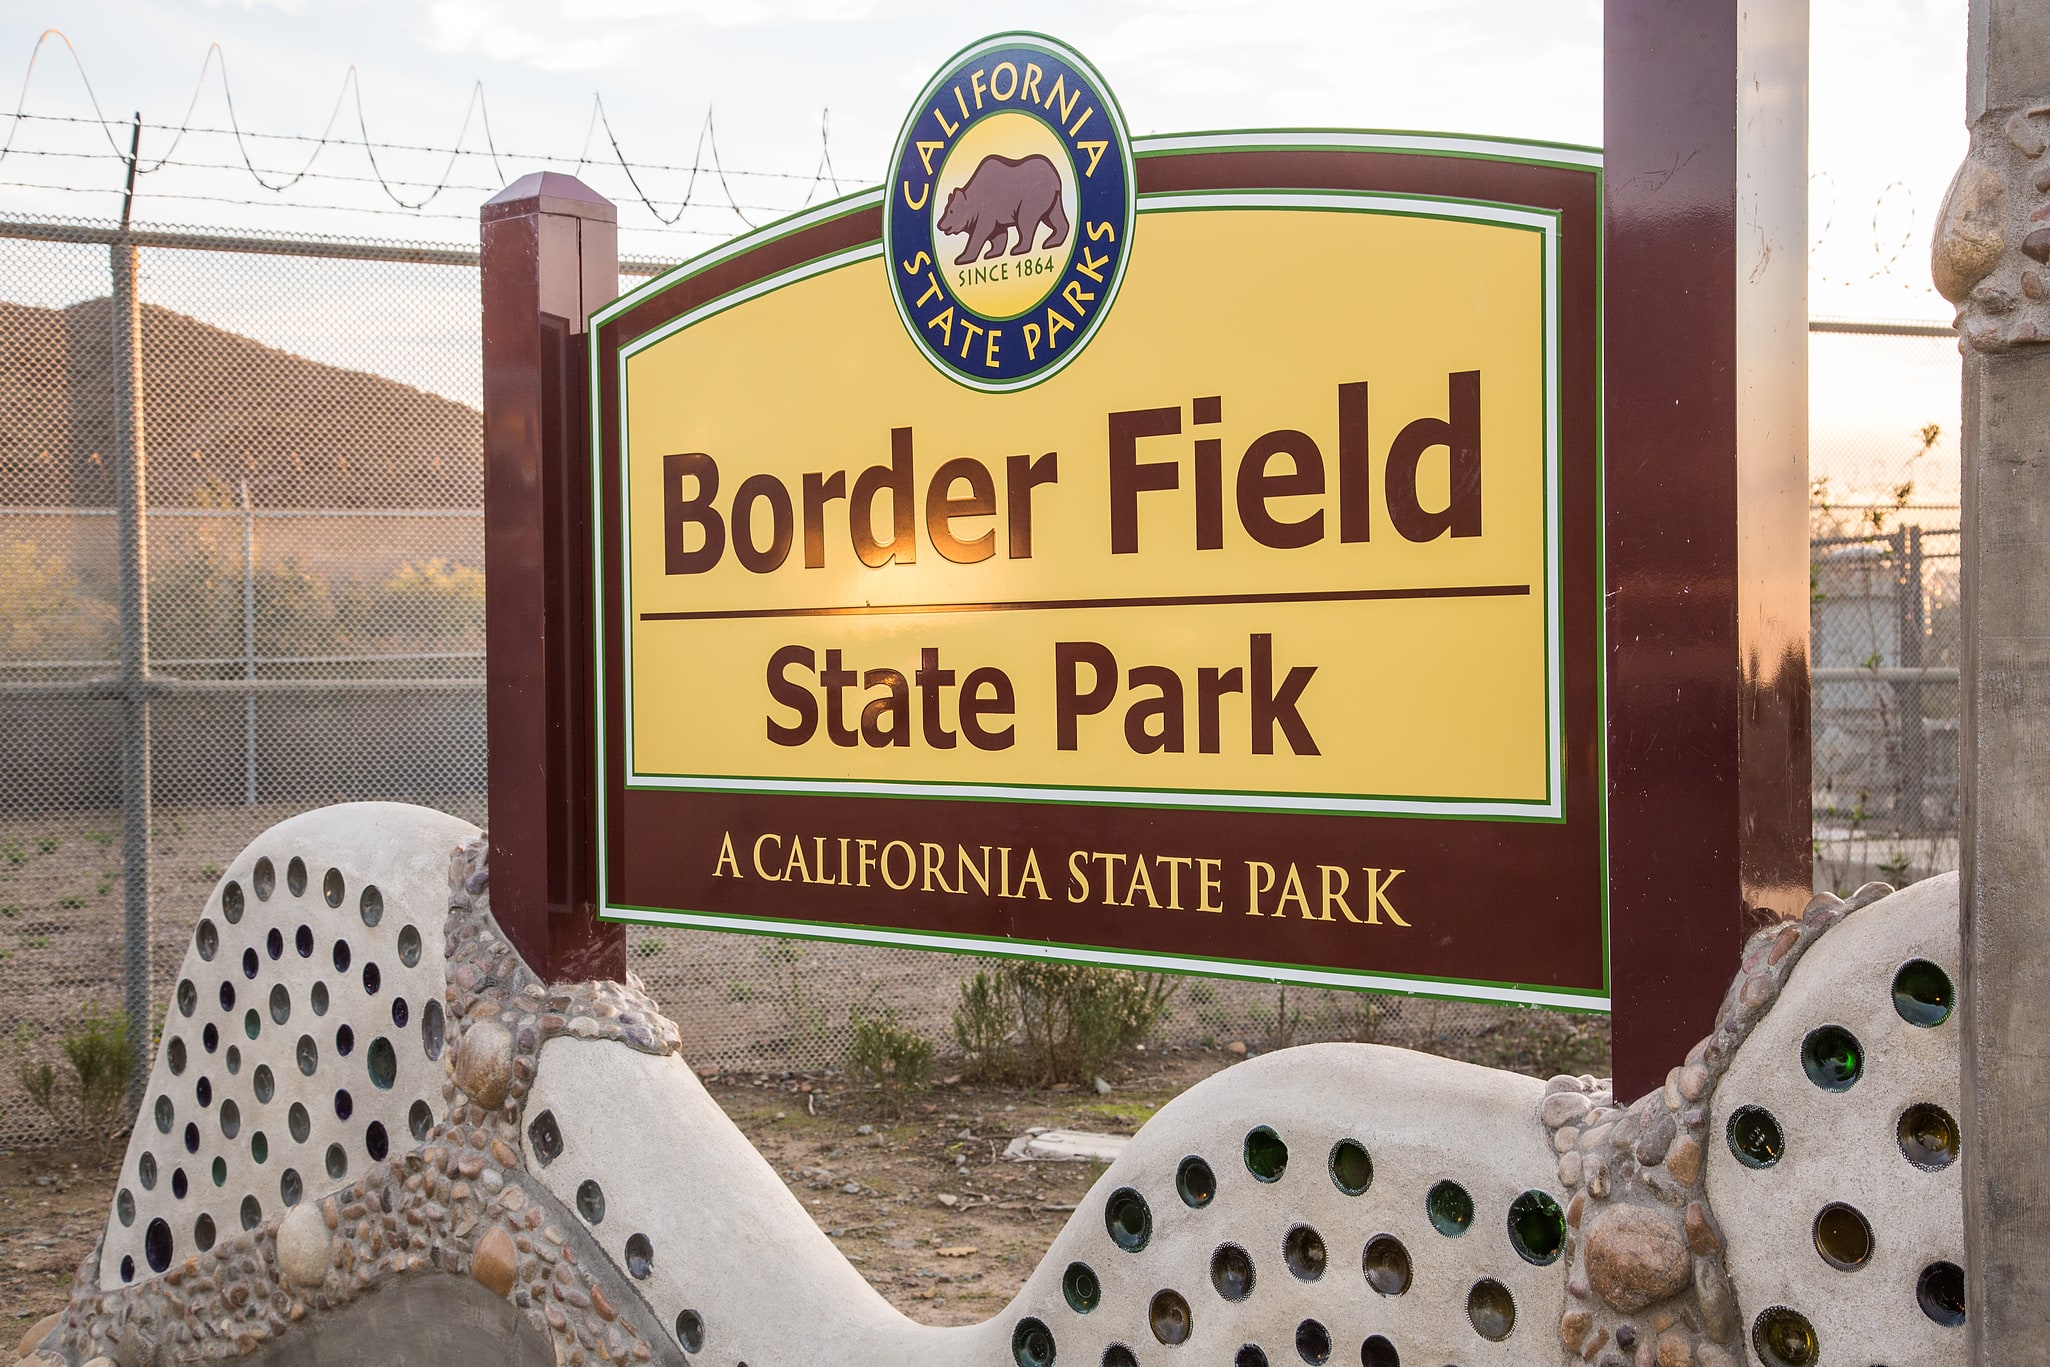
1705 162
551 256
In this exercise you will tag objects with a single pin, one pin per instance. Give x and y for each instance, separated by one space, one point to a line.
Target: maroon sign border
1502 903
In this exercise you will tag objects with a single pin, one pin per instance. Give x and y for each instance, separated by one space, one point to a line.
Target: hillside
220 407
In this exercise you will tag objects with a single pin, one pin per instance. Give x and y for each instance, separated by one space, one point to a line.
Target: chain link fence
1884 625
312 631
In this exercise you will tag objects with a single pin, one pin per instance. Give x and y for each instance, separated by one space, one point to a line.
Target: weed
1896 869
100 838
740 992
648 948
210 872
13 852
1070 1019
807 1022
35 942
894 1057
72 903
47 845
106 885
1543 1043
91 1088
984 1023
11 910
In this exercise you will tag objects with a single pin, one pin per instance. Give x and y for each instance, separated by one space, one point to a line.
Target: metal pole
1913 705
2005 834
248 649
131 497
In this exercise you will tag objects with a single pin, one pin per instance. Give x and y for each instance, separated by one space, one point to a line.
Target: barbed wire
1885 249
397 189
410 214
312 176
254 135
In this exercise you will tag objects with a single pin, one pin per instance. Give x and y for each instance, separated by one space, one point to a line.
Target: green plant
984 1022
210 872
72 903
807 1022
35 942
105 886
47 845
13 852
101 838
91 1087
1070 1019
894 1057
1896 869
740 992
648 948
1539 1042
1286 1021
11 910
46 612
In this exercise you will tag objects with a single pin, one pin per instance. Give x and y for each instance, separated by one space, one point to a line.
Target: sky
1886 116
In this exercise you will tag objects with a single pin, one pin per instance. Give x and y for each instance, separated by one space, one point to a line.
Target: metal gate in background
307 543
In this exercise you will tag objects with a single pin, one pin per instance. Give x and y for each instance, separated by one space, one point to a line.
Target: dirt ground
938 1222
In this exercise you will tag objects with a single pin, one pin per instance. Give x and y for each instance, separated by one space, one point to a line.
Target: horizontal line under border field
1195 600
1511 994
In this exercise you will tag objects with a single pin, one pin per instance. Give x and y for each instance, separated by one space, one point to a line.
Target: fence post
131 496
1908 697
2004 1000
550 257
1705 181
248 648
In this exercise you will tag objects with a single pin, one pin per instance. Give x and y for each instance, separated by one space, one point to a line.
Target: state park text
1280 492
1336 893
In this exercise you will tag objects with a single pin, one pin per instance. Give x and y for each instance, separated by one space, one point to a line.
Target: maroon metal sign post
551 255
1705 111
1706 544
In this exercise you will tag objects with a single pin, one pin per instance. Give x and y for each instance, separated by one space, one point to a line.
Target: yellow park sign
1178 553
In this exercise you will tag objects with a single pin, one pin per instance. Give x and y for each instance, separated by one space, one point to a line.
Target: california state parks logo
1009 215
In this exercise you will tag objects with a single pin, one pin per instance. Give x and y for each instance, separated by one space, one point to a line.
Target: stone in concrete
483 1066
1635 1258
496 1261
304 1248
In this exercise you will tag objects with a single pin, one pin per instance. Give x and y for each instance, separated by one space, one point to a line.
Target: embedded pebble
1635 1258
303 1246
1563 1108
483 1065
495 1261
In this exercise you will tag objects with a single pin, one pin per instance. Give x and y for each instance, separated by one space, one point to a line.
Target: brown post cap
548 192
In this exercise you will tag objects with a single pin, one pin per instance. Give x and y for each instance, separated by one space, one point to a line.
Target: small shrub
210 872
47 845
807 1022
13 852
90 1089
894 1057
984 1023
11 910
72 903
648 948
105 886
35 942
1539 1042
1070 1019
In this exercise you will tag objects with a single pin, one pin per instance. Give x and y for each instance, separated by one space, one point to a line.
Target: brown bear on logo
1001 195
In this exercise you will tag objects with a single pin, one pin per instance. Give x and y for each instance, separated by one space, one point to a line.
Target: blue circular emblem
1009 214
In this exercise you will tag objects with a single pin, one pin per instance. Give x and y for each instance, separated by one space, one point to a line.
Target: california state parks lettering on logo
1009 214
